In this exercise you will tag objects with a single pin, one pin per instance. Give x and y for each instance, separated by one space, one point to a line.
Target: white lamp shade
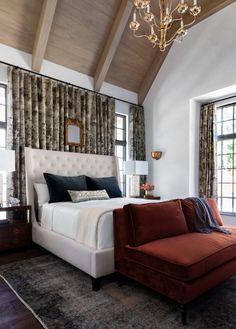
7 160
136 168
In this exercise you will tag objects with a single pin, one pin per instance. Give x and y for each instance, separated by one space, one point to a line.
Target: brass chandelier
160 28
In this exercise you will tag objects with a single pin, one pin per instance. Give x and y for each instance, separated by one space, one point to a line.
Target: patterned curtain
136 133
137 136
207 152
37 111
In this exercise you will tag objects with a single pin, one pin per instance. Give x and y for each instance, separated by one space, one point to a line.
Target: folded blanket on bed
81 221
205 221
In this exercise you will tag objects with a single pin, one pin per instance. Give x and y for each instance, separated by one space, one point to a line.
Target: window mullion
227 138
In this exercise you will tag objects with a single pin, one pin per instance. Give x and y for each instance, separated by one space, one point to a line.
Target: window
226 157
3 136
121 141
3 115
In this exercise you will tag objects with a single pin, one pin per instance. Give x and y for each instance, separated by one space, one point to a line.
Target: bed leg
96 284
183 310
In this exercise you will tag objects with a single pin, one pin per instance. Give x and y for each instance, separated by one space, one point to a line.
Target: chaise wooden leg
96 284
183 309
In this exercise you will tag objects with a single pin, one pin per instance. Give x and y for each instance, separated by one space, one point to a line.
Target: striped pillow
80 196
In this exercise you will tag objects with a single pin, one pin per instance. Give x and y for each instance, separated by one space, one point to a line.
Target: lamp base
135 186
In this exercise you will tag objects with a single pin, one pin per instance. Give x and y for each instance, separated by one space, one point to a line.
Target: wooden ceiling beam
42 34
159 59
112 43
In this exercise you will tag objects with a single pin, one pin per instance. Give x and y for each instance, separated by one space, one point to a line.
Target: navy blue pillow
58 186
109 184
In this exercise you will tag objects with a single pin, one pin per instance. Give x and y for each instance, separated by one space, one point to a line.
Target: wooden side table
151 197
16 228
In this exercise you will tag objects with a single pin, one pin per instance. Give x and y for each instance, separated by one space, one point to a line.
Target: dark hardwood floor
13 313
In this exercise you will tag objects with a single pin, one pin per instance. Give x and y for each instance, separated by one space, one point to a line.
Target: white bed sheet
64 218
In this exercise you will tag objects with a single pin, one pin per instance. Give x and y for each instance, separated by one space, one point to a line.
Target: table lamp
135 169
7 164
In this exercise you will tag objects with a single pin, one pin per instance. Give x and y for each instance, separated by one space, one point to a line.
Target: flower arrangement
147 187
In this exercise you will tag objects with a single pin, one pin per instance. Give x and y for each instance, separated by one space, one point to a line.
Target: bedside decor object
148 190
7 163
168 25
135 169
73 132
156 155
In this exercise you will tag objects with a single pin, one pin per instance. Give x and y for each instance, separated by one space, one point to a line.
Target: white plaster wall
204 62
3 74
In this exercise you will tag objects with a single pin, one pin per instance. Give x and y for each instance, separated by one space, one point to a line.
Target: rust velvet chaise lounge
154 245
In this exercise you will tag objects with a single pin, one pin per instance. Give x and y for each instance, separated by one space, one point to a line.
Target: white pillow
42 193
80 196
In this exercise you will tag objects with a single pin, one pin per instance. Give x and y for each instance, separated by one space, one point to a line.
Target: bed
59 231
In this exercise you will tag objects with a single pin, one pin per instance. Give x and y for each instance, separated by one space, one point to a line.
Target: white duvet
90 222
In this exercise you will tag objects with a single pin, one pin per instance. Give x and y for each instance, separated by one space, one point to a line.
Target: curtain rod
71 84
219 100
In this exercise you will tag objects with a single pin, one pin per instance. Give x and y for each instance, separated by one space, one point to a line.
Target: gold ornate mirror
73 132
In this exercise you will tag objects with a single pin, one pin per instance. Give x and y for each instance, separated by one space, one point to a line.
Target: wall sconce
156 155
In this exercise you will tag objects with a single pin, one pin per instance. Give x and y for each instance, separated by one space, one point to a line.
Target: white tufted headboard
67 164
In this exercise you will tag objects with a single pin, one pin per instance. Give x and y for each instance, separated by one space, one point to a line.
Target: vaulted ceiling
92 37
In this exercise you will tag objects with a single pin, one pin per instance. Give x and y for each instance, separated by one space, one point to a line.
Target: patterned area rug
61 296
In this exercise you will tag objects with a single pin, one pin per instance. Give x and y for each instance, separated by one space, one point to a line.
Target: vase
148 194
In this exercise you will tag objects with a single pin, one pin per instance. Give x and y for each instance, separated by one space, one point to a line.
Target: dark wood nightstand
16 228
151 197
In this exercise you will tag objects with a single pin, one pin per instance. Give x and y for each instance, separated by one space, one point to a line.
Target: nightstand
151 197
16 228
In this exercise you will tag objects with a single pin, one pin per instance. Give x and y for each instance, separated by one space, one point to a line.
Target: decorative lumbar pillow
149 222
58 186
109 184
80 196
42 193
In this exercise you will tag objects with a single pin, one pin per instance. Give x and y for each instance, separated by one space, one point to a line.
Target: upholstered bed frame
96 263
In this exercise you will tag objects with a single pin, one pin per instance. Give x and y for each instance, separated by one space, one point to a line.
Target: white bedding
90 222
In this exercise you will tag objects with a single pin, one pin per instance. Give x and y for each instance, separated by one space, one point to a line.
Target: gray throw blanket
205 221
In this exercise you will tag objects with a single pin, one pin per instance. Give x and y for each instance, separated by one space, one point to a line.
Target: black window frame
3 125
221 138
122 143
